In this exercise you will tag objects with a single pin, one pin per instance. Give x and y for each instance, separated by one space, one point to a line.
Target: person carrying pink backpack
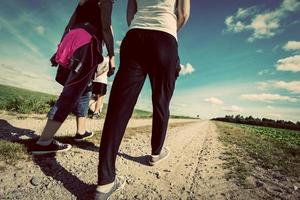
77 57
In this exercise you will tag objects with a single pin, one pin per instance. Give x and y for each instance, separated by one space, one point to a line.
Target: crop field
286 137
251 147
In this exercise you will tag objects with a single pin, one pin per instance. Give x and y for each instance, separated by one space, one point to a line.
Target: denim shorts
80 109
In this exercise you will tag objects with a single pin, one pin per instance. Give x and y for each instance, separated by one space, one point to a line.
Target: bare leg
81 121
50 129
99 103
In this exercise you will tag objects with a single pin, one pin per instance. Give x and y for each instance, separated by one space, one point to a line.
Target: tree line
260 122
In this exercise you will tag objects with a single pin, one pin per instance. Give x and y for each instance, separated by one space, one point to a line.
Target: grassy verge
17 100
11 152
24 101
269 148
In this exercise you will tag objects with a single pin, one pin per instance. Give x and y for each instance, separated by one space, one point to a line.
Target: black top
98 14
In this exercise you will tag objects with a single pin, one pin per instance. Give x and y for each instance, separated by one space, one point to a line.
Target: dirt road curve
192 171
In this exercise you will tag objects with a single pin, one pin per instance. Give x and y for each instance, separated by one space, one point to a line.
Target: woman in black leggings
149 48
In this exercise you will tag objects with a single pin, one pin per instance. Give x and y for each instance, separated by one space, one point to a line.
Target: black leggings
142 52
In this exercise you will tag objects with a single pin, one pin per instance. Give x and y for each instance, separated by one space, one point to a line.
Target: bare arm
131 10
183 13
106 12
107 32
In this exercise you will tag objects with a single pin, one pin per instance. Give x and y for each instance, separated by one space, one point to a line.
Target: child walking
100 87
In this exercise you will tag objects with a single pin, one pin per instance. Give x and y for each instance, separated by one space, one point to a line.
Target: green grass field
26 102
269 148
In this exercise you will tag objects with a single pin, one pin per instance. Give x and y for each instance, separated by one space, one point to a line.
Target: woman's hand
112 62
111 66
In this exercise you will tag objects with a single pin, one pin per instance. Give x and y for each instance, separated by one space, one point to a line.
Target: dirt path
193 170
37 122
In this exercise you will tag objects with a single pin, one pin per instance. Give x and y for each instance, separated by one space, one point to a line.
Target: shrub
26 105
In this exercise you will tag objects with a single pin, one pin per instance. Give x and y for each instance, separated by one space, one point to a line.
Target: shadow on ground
144 160
48 163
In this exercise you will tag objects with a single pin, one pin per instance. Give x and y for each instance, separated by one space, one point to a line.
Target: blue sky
238 56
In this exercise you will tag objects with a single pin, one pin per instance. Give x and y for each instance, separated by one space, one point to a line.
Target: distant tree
260 122
249 118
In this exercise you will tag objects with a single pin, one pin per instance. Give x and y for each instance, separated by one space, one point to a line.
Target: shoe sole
49 152
154 163
79 140
118 190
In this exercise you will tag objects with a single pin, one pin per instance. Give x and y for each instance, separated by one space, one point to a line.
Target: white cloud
117 50
292 46
291 63
233 108
245 12
292 86
233 26
214 101
188 69
284 113
275 48
264 71
266 97
40 30
275 116
290 5
228 93
259 51
263 85
234 23
265 24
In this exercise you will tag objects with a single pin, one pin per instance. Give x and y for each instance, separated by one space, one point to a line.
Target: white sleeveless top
102 68
156 15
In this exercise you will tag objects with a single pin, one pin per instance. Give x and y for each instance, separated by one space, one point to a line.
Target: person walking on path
100 87
149 48
79 53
